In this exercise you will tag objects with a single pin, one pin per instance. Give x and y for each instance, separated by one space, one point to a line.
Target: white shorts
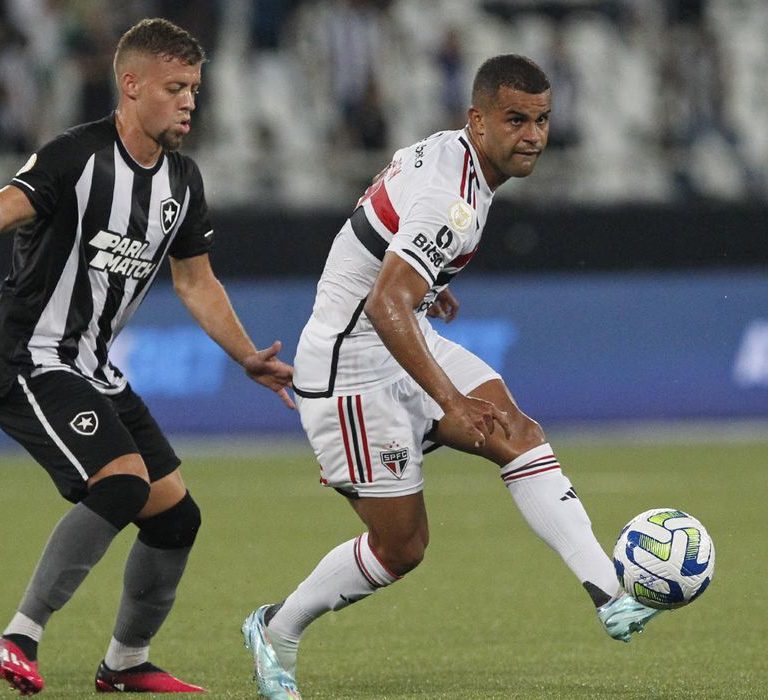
372 444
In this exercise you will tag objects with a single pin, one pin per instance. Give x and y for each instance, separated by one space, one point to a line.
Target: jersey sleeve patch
460 216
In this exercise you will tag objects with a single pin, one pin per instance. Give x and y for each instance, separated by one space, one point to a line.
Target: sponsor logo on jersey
430 249
444 237
85 423
395 460
169 213
120 255
29 164
460 215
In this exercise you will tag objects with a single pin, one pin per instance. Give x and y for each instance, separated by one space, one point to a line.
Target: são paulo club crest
395 459
169 213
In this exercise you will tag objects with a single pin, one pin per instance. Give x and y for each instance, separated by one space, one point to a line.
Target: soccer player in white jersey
376 384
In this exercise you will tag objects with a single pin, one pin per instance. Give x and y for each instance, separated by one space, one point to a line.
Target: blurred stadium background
623 281
621 290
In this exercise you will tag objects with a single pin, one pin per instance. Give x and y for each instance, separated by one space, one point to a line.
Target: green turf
491 613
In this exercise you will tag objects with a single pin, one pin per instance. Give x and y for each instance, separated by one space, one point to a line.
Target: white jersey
429 206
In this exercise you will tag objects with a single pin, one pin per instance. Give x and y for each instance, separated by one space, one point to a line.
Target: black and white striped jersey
80 270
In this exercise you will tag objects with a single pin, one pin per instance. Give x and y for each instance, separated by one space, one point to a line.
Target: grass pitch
491 613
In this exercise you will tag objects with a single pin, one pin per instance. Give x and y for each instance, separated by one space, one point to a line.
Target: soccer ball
664 558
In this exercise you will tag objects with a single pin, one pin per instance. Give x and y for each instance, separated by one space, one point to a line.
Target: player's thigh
71 429
465 370
153 446
472 376
369 444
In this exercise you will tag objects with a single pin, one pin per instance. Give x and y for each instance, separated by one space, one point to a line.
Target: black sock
270 612
599 596
26 644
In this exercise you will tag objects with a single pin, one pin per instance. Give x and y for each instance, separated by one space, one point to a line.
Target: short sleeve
431 235
195 235
45 175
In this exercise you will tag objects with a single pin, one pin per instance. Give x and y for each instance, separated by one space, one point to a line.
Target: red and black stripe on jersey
469 179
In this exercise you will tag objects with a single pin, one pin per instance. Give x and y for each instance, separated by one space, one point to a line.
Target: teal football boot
275 683
623 616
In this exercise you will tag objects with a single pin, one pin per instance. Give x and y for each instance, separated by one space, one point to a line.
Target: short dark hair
509 70
161 38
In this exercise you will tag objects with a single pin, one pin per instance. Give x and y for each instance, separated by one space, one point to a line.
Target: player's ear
129 85
475 120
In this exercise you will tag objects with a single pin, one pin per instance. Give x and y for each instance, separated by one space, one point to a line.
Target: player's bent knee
531 434
175 528
401 557
526 434
118 499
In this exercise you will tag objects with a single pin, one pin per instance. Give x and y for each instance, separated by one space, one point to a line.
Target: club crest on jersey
85 423
460 215
395 460
169 213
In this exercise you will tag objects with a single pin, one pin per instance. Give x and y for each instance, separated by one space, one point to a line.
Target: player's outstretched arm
15 208
208 302
398 290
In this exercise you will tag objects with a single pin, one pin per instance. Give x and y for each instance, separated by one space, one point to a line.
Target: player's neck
143 149
493 176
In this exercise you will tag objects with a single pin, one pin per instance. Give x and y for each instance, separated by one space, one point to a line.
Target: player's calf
552 508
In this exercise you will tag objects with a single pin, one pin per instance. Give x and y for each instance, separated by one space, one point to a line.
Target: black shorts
73 430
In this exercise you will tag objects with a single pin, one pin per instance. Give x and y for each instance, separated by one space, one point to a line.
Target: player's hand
265 368
469 422
445 306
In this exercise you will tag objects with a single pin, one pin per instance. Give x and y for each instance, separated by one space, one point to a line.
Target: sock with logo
348 573
551 507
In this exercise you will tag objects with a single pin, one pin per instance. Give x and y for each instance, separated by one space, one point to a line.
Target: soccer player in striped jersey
376 385
96 211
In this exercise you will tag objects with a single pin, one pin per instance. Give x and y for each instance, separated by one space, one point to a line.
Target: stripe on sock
536 461
374 572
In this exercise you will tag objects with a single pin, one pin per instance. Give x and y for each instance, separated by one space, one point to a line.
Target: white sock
348 573
21 624
119 656
551 507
